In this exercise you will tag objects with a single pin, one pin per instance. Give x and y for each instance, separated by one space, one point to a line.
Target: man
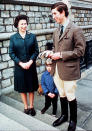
69 46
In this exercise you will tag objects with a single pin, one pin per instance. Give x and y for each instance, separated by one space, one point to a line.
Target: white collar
65 24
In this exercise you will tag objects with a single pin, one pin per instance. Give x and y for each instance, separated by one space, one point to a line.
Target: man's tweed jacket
72 45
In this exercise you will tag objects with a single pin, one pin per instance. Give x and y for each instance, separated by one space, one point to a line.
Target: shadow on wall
86 60
49 46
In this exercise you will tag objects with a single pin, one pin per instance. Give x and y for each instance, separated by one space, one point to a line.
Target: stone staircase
13 118
7 124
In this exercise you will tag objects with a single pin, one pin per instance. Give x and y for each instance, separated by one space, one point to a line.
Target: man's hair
60 7
18 18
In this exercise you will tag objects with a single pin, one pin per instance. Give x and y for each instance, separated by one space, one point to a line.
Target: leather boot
64 114
73 115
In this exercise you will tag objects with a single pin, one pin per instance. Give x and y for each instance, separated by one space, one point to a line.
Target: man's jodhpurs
65 88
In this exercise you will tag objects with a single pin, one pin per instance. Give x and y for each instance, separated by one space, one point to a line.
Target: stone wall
40 23
82 16
39 17
6 64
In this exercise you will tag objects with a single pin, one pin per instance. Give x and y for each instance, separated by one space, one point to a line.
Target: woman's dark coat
24 50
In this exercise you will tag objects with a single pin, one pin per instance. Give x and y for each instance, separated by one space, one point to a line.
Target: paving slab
88 123
84 91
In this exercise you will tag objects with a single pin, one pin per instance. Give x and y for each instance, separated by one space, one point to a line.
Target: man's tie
61 31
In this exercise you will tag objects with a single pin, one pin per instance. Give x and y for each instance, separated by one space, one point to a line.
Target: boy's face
48 67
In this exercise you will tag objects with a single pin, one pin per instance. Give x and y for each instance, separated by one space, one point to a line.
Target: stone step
26 120
43 117
6 124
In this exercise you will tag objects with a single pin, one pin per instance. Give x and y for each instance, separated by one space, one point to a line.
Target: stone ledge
82 4
86 27
6 36
28 2
7 90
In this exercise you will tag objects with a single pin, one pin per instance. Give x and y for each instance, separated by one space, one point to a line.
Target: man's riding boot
73 115
64 110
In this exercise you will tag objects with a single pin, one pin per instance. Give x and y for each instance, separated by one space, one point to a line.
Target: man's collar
66 23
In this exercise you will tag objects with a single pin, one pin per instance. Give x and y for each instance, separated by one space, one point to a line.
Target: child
49 89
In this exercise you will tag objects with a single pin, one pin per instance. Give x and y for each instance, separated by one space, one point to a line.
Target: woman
23 51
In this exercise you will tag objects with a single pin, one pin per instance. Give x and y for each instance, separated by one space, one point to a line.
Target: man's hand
56 56
46 53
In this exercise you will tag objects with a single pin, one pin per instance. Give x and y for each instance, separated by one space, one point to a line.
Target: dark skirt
25 81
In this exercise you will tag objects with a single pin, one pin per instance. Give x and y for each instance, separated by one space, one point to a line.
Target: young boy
49 89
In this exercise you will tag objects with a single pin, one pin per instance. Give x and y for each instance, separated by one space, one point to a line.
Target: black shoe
54 113
43 110
26 111
32 111
60 120
72 126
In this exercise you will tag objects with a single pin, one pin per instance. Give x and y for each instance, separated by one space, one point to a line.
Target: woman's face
22 25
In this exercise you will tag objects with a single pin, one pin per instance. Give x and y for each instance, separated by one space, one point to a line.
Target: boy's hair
60 7
48 62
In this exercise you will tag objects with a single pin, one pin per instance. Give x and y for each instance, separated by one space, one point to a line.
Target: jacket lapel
27 35
66 31
57 33
18 36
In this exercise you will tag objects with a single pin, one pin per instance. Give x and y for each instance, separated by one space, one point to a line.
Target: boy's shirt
47 83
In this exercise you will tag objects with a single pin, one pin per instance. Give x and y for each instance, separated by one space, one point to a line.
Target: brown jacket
72 45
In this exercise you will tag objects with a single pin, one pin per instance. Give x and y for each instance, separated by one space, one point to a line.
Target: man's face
57 16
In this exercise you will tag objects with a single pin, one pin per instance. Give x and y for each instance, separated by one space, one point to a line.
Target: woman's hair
18 18
60 7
